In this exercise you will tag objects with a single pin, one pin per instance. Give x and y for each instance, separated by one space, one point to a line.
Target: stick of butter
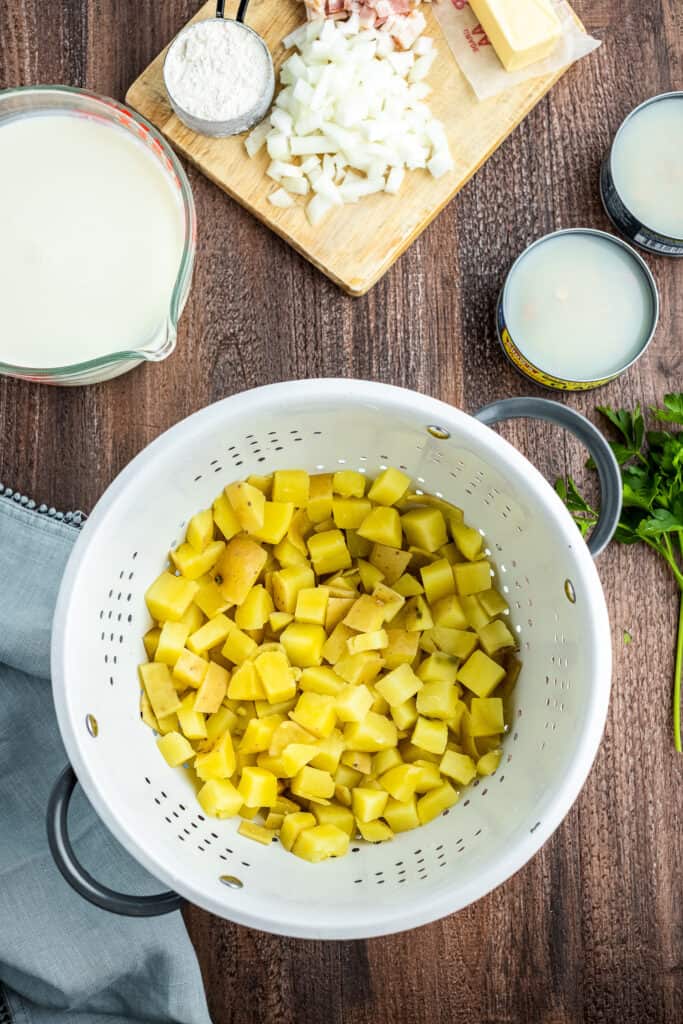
521 32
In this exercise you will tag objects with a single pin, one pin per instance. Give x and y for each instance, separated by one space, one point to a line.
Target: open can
625 219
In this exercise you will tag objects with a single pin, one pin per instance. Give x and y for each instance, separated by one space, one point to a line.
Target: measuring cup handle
603 456
75 874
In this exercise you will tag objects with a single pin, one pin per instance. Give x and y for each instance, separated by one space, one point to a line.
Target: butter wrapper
477 59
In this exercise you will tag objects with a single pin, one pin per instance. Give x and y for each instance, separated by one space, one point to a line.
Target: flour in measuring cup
217 70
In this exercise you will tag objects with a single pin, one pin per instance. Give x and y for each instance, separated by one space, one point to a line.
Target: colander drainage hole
231 881
440 433
91 725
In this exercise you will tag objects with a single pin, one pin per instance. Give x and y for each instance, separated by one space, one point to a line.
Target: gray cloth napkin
63 961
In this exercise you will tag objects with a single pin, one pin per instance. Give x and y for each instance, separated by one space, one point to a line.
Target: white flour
217 70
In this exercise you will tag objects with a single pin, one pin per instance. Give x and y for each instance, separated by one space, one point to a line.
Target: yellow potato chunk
316 713
417 616
320 679
400 684
437 699
457 643
303 643
353 703
472 577
389 487
374 733
291 485
151 642
438 667
493 603
391 561
370 575
239 568
147 714
224 517
486 716
223 720
294 824
245 683
349 513
278 620
277 517
436 802
287 584
448 612
401 817
248 504
333 814
217 763
382 526
312 783
430 735
425 528
468 540
335 647
407 585
200 529
311 605
495 637
329 751
459 767
385 760
437 579
255 610
168 723
337 607
401 649
366 614
329 552
212 689
405 715
171 642
175 749
288 732
375 641
210 600
368 804
359 668
359 760
258 787
192 723
400 781
349 483
375 831
211 634
274 672
429 776
263 483
319 506
320 843
238 647
487 764
192 563
258 833
480 674
189 670
219 798
169 597
258 735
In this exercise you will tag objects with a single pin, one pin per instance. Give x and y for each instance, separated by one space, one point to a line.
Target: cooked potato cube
200 529
193 618
192 563
329 552
258 787
353 703
469 541
210 600
277 517
450 553
496 637
448 612
430 735
347 776
429 777
311 605
434 803
349 513
382 526
249 813
224 517
405 715
424 528
375 831
407 585
438 699
492 602
329 752
168 723
239 568
319 506
212 689
366 614
291 485
340 817
218 763
349 483
458 643
169 597
258 735
192 723
392 601
438 667
223 720
311 783
238 647
417 616
295 756
245 683
487 764
316 713
288 554
147 714
385 760
370 575
401 817
368 804
359 668
219 798
486 716
288 732
389 487
151 642
337 607
391 561
359 761
278 620
171 642
274 821
376 641
334 647
263 483
287 584
400 781
255 610
474 612
472 577
480 674
459 767
320 679
175 749
274 672
303 643
401 649
211 634
258 833
320 843
293 824
438 580
189 670
248 504
374 733
397 686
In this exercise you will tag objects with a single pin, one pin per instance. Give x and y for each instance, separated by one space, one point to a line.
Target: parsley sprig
651 464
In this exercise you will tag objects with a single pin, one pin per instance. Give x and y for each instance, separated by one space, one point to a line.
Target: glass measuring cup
235 125
36 100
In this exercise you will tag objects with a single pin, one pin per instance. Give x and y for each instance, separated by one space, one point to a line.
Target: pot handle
75 874
598 446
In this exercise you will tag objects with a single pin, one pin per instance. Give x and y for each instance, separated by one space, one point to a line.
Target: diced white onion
317 208
280 198
256 139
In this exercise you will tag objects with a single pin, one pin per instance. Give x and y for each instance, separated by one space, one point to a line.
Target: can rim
645 270
655 232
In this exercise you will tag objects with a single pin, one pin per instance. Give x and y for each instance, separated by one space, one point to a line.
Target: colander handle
589 435
81 880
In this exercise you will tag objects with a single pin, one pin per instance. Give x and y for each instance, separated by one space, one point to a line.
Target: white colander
542 565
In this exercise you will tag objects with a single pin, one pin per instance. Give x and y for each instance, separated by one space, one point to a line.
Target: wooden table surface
592 929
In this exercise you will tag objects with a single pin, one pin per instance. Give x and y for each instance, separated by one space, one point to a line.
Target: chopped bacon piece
404 29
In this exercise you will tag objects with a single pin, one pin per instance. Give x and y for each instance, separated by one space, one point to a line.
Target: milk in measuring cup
91 240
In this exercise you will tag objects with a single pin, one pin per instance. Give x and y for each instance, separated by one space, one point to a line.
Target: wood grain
354 245
592 929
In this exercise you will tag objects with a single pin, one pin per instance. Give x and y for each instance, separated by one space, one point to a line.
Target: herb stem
677 681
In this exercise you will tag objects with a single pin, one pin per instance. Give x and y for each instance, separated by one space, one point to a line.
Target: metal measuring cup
250 117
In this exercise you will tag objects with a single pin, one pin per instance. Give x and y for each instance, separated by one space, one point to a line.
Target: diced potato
189 670
389 487
211 634
320 679
366 615
223 720
397 686
212 689
407 585
274 672
425 528
311 605
239 568
469 541
277 517
376 641
400 781
382 526
374 733
288 582
437 700
274 821
151 642
295 756
175 749
316 713
282 707
375 831
168 723
192 723
278 620
486 716
392 601
438 579
291 485
370 575
219 762
333 814
263 483
259 733
303 643
448 612
390 560
337 607
224 517
480 674
429 776
474 611
368 804
353 703
385 760
319 506
329 552
238 647
219 798
405 715
200 529
430 735
255 610
210 600
349 513
249 813
458 643
192 563
450 553
459 767
417 615
345 775
312 782
193 618
147 714
169 597
258 833
248 503
436 802
358 546
438 667
496 637
258 787
288 554
487 764
245 683
401 817
293 825
171 642
288 732
359 668
359 760
401 649
334 647
472 577
493 603
349 483
320 843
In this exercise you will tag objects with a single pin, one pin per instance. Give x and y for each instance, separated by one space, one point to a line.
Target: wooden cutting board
354 245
